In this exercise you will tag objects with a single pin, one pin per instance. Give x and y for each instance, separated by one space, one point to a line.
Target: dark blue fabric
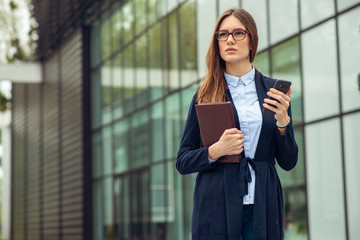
220 187
248 222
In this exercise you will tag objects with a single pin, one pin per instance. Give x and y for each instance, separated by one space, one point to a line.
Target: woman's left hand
281 105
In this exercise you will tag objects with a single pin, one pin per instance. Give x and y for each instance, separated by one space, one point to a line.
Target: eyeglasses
237 34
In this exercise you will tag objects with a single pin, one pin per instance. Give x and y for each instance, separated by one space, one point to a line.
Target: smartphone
282 86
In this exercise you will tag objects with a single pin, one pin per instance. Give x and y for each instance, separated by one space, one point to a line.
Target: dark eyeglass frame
231 33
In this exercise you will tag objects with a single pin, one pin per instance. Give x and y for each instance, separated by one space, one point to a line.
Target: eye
222 34
239 33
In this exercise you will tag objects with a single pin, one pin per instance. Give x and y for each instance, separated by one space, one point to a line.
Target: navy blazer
220 187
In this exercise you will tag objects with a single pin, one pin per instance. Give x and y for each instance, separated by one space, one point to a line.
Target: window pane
352 166
157 195
163 7
173 134
139 208
172 63
159 202
128 21
95 44
142 92
321 95
315 11
145 202
141 15
186 96
258 10
117 207
124 214
106 92
188 43
139 139
286 65
129 78
117 85
283 23
261 62
96 99
206 17
141 55
105 32
175 203
171 4
107 150
294 190
154 10
226 4
116 28
121 145
342 4
108 211
98 210
157 127
349 33
155 62
325 180
96 155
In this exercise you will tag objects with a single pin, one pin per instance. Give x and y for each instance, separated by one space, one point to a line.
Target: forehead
230 23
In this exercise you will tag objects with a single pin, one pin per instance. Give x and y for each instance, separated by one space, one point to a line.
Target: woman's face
231 51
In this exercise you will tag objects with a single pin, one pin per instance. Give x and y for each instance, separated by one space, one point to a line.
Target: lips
230 50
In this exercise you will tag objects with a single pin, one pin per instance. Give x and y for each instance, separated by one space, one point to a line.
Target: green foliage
17 46
4 102
19 54
13 5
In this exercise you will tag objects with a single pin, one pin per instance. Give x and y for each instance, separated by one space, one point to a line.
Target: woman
239 200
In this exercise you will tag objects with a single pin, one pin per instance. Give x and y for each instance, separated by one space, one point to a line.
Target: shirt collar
246 79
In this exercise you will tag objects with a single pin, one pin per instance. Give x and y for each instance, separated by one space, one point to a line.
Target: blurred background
94 95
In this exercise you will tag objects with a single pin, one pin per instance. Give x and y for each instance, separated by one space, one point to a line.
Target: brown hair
214 86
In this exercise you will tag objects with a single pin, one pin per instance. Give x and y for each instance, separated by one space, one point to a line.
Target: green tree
15 19
4 102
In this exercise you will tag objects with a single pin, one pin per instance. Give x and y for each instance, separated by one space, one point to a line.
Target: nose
230 38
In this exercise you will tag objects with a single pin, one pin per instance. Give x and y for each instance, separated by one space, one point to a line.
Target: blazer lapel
268 118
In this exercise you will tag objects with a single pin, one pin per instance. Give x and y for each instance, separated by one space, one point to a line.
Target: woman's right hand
231 142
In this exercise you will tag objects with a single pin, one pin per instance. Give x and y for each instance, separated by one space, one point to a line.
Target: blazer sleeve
192 156
286 147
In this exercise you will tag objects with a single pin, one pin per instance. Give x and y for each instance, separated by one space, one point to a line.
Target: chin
236 59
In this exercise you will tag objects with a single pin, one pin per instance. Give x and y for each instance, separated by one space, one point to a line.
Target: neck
238 70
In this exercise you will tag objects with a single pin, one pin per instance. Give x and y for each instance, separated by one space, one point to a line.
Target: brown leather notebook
214 119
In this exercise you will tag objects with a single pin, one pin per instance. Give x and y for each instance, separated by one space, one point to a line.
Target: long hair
214 85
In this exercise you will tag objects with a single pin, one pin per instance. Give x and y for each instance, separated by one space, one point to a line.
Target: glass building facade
148 59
